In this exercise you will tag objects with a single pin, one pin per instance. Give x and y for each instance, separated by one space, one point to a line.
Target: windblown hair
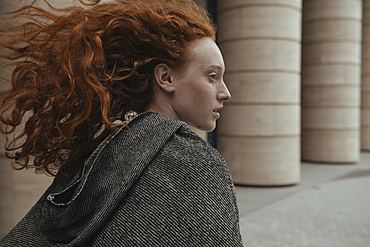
79 69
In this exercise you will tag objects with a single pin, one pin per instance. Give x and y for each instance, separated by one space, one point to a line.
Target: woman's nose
224 93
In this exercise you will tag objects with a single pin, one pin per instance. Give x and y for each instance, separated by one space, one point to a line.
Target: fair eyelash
213 75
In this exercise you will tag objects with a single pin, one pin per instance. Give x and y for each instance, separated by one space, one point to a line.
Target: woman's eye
213 76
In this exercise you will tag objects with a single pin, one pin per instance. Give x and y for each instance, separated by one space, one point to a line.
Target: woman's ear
163 77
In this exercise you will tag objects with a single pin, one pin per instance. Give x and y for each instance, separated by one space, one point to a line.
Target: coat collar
72 214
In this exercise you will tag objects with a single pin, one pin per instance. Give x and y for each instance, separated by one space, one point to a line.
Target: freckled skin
198 87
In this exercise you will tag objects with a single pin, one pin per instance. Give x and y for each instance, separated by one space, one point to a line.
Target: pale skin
194 93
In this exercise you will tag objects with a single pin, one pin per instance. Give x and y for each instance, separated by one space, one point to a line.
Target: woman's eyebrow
215 66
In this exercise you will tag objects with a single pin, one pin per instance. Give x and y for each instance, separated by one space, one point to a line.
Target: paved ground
329 208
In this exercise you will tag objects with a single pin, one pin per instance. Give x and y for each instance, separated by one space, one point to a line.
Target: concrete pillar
202 3
259 131
331 63
365 78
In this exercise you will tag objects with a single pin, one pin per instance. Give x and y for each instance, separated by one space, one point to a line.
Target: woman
84 74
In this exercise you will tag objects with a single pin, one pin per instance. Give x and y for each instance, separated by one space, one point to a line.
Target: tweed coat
154 184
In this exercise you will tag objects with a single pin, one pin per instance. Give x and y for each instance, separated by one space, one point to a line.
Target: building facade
294 72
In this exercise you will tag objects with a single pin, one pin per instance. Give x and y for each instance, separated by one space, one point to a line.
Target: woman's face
199 88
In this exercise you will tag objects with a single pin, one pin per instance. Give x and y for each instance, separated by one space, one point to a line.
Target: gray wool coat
157 184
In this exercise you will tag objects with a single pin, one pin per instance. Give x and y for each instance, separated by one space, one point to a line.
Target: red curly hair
79 69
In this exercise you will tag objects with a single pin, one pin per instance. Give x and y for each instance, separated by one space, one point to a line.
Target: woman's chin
207 127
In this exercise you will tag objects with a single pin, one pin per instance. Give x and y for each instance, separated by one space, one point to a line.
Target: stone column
259 130
331 63
202 3
365 79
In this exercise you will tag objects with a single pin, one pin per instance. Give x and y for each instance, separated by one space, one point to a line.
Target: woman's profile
101 97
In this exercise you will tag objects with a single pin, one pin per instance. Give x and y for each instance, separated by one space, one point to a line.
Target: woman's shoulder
186 143
187 157
171 142
153 132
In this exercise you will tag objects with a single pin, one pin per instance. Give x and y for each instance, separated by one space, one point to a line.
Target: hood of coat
78 208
